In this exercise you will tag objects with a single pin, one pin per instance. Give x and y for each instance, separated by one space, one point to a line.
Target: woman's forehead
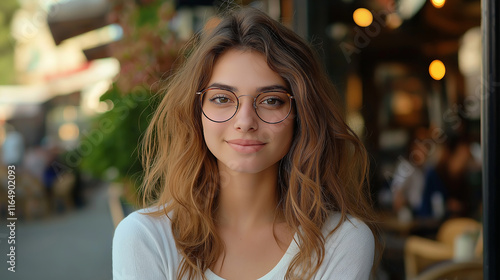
244 69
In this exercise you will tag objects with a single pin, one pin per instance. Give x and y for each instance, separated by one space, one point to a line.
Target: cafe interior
409 73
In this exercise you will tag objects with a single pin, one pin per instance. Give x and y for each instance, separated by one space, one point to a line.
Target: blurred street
75 245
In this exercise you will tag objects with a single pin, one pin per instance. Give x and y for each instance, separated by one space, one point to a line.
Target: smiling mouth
246 146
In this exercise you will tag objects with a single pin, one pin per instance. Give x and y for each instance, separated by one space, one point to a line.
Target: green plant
8 8
146 54
118 149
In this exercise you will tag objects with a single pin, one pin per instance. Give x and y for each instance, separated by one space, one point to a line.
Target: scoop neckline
284 261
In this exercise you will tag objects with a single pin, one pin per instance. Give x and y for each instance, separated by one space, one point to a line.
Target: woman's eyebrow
260 89
272 87
222 86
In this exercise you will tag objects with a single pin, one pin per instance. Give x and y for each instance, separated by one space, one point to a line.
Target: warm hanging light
437 69
362 17
438 3
69 132
393 20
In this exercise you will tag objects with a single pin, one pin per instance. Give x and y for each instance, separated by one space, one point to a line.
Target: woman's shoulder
144 247
144 222
351 229
349 249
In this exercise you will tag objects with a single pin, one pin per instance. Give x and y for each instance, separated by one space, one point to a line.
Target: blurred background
79 80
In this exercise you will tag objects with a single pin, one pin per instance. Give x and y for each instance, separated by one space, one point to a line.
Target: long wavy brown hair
324 171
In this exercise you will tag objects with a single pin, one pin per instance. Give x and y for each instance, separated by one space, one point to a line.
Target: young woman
250 169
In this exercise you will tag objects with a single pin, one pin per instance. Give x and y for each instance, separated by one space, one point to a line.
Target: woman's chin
243 167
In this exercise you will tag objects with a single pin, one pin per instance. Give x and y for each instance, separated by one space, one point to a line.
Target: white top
144 248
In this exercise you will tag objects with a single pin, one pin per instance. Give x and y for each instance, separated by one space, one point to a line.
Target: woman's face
245 143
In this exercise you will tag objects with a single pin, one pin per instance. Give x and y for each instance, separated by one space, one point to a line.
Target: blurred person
446 193
407 186
51 174
35 161
408 183
250 169
13 147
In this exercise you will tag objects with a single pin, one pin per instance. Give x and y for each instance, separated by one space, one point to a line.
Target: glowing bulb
402 104
69 132
438 3
437 69
393 20
362 17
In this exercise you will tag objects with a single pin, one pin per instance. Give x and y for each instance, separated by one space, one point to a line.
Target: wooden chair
422 252
472 270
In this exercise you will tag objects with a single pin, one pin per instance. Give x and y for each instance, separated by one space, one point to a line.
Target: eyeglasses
220 105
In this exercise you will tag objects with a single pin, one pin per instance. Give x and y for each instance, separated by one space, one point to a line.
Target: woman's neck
247 200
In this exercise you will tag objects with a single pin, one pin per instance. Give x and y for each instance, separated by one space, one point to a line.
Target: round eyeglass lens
273 107
219 105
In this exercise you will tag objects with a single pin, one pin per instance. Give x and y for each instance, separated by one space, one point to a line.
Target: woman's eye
220 99
272 101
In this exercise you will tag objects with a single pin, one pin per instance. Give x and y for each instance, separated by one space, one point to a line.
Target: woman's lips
245 146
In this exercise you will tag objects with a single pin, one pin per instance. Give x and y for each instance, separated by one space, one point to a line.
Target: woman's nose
246 118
